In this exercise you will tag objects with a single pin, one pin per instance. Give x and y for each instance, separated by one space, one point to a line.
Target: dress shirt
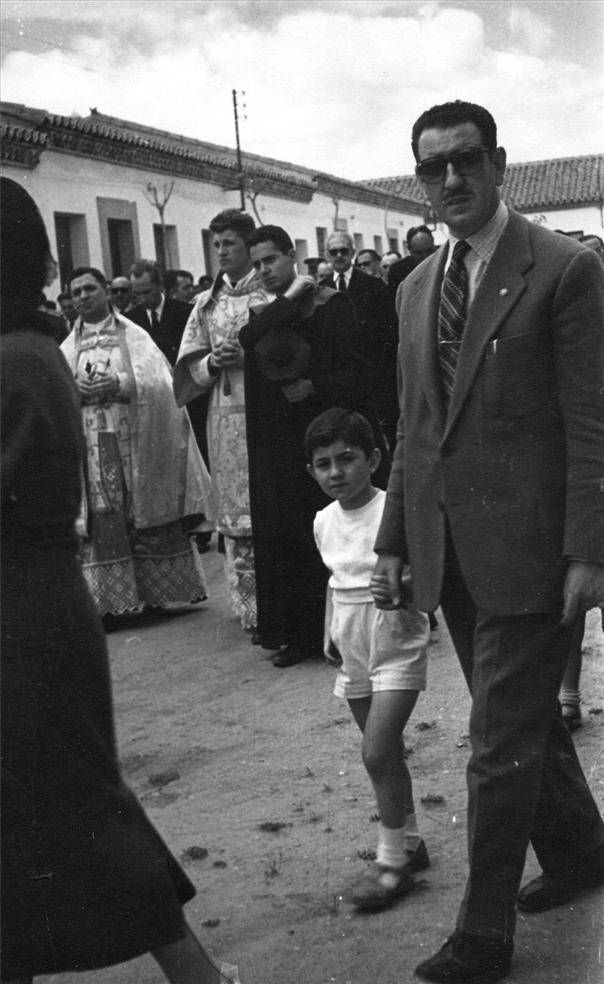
159 310
482 246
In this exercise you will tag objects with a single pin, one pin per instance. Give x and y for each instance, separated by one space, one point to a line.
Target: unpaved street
253 777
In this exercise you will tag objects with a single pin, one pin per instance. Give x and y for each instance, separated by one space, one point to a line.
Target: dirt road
253 777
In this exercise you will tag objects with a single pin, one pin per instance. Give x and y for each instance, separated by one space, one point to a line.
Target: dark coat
376 318
516 464
171 326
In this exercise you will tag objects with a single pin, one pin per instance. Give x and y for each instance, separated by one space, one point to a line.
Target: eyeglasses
434 169
365 264
120 290
343 251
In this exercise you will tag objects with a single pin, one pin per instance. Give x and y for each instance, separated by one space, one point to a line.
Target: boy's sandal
571 714
380 887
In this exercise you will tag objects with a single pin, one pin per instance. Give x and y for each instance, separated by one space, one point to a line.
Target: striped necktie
452 315
341 282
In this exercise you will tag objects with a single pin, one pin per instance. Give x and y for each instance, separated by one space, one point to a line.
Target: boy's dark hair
451 114
81 271
233 218
271 234
338 425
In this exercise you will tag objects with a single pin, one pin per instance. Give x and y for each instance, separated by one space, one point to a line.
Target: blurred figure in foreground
87 881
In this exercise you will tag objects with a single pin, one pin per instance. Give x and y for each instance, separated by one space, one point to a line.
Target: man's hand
387 586
297 391
226 354
99 389
583 589
299 286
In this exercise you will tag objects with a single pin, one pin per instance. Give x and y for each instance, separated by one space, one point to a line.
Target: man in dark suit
495 500
376 318
164 318
420 243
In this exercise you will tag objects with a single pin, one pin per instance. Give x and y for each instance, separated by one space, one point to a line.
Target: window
166 246
358 242
120 244
321 240
210 257
72 243
301 254
392 240
378 244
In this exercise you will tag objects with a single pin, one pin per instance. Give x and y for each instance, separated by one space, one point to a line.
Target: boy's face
344 473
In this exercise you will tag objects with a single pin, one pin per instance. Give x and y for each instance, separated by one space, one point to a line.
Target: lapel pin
503 291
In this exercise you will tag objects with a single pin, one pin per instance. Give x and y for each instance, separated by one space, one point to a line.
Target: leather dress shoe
550 890
289 656
468 959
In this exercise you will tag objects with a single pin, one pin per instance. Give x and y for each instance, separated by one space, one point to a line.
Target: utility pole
239 164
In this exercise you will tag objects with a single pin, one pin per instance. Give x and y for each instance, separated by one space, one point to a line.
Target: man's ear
374 459
310 470
499 160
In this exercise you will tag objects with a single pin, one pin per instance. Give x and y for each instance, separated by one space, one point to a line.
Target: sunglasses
343 251
366 263
434 169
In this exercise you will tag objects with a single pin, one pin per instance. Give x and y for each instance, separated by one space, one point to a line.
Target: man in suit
164 318
376 319
420 243
496 502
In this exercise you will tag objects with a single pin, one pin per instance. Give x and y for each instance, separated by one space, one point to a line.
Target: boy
383 651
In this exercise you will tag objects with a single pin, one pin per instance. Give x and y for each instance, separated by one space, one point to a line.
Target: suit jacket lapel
421 316
498 291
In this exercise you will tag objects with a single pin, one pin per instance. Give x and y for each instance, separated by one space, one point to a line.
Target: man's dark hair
420 228
233 218
64 296
171 278
141 267
338 425
451 114
83 270
372 252
270 234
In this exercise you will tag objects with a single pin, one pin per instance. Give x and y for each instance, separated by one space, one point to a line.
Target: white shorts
380 650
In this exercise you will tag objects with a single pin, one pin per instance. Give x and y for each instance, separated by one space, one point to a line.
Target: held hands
391 583
226 354
583 589
297 391
98 388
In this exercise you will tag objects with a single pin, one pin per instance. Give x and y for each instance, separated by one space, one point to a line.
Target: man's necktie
154 323
341 282
452 315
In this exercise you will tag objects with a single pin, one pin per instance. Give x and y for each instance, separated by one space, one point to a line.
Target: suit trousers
525 783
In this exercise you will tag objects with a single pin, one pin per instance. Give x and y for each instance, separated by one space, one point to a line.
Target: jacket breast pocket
517 375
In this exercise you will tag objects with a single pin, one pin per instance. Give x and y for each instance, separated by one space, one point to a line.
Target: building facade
111 191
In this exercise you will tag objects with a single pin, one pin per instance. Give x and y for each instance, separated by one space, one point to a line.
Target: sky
329 84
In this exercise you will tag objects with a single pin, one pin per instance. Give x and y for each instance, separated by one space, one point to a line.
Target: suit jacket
376 318
400 270
171 326
515 466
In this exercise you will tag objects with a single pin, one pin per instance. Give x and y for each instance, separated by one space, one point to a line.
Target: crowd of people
390 436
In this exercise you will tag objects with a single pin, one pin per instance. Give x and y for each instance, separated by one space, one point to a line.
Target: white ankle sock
412 834
391 846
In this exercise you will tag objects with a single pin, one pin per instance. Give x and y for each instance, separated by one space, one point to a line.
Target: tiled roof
557 183
146 144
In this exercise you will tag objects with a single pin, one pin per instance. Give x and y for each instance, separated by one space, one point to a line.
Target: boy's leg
383 756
